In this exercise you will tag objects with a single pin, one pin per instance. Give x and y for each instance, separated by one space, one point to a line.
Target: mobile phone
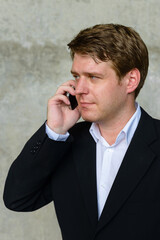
73 101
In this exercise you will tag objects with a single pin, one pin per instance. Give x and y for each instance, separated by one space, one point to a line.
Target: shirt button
109 150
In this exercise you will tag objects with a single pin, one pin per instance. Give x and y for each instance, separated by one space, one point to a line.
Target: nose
81 86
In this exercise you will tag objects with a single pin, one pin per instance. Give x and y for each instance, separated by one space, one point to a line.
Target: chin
89 117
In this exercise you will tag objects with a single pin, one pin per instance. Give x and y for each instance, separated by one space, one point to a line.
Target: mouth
85 104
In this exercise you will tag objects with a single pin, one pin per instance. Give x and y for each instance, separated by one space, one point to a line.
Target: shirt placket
105 183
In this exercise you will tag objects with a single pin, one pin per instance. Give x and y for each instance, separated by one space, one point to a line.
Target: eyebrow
88 73
73 72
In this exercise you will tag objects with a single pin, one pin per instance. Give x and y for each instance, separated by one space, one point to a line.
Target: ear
133 79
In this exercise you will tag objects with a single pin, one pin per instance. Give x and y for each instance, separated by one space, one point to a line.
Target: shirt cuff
54 136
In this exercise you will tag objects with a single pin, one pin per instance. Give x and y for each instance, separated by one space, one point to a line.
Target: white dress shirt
108 157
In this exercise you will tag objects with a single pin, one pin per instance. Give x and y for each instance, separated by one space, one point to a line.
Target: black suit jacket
65 172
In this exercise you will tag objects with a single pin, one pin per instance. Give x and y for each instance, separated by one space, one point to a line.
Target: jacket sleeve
28 184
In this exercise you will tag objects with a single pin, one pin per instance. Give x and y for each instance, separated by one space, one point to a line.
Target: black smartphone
73 101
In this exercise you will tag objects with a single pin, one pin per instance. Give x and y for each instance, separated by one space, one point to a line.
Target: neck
110 129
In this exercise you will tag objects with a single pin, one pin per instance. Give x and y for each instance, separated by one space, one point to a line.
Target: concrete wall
34 60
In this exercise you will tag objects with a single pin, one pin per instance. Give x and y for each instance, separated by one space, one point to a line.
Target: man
103 174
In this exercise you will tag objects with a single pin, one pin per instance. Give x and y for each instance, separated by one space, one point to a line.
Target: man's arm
27 185
28 182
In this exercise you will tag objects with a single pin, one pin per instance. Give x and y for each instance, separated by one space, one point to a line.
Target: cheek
77 97
106 97
101 94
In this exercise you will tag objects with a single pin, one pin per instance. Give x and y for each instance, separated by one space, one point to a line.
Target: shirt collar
127 132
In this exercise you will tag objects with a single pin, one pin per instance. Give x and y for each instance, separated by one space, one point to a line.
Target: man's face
101 97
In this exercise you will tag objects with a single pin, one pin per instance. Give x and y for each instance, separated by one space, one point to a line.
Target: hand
60 116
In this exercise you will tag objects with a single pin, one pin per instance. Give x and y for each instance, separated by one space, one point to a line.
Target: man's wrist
55 136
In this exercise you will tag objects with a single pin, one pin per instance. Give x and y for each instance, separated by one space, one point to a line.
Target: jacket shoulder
149 123
157 125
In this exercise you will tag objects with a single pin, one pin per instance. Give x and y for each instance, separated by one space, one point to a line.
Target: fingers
59 99
69 83
61 96
67 87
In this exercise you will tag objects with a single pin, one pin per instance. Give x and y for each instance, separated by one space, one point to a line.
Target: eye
92 77
76 77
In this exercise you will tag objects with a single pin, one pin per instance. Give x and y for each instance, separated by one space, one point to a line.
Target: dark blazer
65 172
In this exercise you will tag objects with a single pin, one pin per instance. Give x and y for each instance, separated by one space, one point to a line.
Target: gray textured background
34 60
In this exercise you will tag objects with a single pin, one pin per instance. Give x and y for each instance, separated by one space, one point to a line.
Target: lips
85 104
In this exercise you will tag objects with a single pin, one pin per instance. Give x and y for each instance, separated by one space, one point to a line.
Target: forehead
88 63
85 57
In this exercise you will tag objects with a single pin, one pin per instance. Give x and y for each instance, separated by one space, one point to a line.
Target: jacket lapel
136 162
84 154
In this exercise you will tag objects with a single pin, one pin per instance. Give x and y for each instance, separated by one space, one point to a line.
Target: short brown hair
120 44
